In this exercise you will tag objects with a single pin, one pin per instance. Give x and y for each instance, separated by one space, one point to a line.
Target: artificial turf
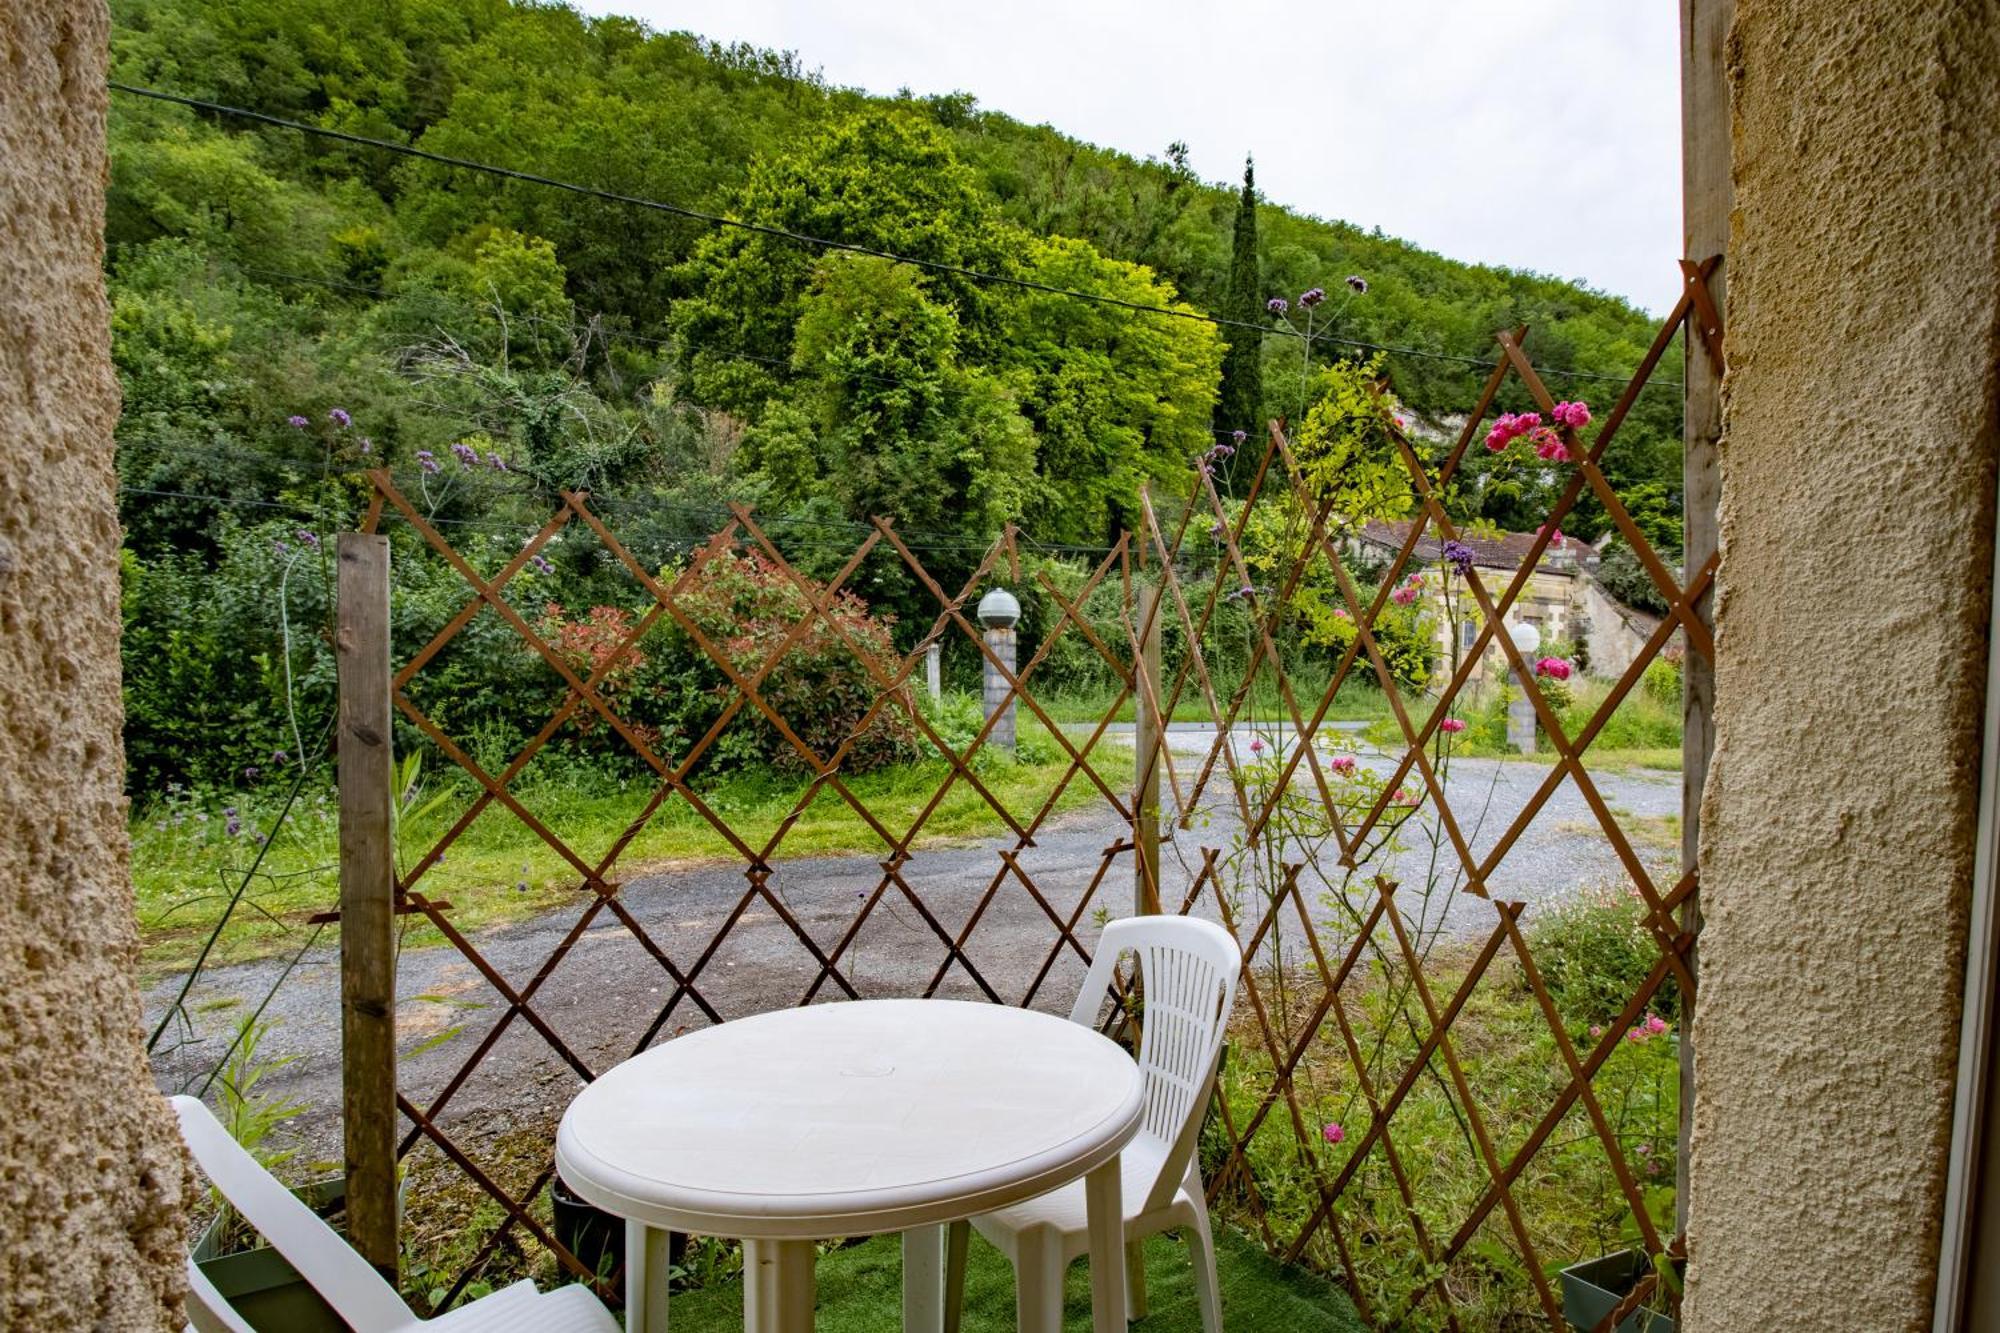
860 1291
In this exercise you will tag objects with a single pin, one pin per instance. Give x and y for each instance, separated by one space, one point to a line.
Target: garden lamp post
999 611
1520 710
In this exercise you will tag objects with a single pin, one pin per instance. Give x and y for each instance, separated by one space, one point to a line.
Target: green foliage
1116 399
1345 452
1627 580
1594 952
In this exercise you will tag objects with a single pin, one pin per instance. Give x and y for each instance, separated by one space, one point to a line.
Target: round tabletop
851 1118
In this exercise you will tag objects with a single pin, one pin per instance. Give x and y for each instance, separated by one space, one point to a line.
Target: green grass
1643 733
1593 953
860 1291
185 863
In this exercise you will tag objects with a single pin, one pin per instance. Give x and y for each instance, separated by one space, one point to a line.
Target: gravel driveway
608 992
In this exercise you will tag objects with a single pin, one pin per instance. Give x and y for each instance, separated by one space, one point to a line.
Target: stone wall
92 1176
1857 531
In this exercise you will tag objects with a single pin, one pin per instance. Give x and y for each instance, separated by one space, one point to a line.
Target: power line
786 234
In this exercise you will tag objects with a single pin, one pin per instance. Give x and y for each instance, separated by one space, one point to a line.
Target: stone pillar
1521 720
999 611
934 671
92 1174
1857 522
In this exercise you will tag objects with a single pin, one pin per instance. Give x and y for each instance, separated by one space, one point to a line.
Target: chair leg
1038 1282
957 1239
1201 1251
1135 1279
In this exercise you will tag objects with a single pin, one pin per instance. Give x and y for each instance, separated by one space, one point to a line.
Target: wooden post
1705 199
1147 740
367 898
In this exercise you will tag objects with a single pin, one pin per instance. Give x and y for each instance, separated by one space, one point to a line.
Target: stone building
1563 598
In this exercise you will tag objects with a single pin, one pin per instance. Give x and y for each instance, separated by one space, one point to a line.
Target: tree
1117 397
905 431
1241 401
885 181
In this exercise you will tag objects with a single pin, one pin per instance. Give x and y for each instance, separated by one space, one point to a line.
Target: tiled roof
1504 550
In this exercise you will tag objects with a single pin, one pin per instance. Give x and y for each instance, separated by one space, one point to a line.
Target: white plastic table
853 1119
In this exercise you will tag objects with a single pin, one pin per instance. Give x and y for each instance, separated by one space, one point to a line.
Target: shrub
821 685
1594 952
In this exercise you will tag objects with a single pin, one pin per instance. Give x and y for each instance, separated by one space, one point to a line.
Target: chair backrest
1187 970
349 1283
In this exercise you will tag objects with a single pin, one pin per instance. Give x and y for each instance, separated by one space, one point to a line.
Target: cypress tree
1241 401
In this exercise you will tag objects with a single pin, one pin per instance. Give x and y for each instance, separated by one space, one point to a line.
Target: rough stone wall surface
92 1175
1857 529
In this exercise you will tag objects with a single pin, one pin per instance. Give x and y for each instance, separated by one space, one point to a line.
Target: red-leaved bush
671 689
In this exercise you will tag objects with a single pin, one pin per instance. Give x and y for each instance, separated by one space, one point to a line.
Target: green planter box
261 1285
1593 1289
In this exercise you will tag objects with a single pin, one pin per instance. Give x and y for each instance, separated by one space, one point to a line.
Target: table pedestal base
778 1286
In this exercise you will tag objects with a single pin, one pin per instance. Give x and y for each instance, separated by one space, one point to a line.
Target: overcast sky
1540 134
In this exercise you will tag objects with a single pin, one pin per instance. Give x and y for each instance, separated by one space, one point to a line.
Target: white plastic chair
1188 968
358 1294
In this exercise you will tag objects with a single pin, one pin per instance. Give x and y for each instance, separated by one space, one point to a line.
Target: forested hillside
287 307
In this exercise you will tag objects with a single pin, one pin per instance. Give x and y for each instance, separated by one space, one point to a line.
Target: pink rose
1343 763
1451 724
1555 668
1332 1132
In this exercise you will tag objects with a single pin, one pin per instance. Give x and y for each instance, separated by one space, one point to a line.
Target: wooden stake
367 898
1147 744
1705 198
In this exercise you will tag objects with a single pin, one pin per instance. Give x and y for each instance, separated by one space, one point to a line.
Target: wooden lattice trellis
1156 551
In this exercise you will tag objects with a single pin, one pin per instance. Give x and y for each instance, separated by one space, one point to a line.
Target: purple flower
340 418
1357 283
427 461
1216 530
233 825
541 566
1237 437
367 445
252 773
466 455
309 539
280 757
297 423
499 463
1312 297
278 545
1459 556
1277 305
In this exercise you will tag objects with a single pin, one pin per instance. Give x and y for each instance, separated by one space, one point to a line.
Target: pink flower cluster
1556 541
1646 1031
1332 1132
1549 446
1342 764
1452 724
1404 796
1411 589
1510 427
1555 668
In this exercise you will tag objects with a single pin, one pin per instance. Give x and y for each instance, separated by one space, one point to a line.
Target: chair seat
522 1309
1063 1209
